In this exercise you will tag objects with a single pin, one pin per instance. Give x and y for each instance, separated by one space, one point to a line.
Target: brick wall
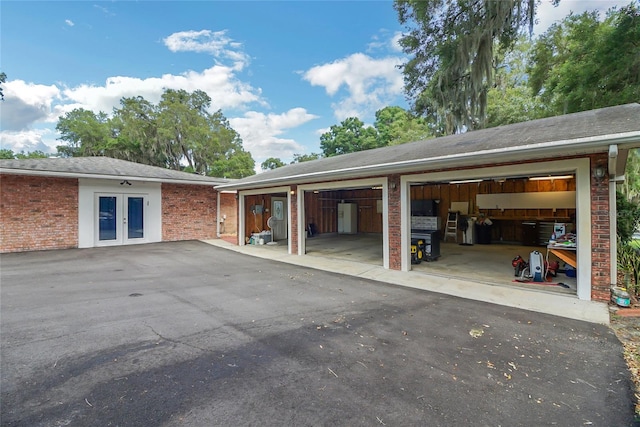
600 229
229 207
188 212
38 213
395 230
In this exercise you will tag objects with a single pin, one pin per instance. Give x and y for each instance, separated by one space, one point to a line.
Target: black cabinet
427 207
530 233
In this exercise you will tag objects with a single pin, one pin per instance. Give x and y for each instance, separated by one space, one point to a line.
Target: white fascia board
99 176
587 145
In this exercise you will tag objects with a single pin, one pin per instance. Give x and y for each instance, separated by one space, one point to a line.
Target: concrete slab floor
489 264
348 254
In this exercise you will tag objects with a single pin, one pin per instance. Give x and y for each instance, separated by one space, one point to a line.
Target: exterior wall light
599 172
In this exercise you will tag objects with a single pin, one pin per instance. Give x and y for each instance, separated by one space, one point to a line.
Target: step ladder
451 229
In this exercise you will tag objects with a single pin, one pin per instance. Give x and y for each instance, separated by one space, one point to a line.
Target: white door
120 219
279 218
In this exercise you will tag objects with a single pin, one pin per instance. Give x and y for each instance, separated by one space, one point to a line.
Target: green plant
628 217
629 264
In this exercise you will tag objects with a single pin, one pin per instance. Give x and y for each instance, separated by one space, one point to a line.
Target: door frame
284 218
122 237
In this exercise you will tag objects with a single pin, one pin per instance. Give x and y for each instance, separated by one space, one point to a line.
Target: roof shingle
103 167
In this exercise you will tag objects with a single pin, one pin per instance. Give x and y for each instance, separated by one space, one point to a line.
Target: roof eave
580 146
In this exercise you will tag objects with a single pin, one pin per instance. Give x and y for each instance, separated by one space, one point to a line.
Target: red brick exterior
229 207
600 237
38 213
188 212
395 229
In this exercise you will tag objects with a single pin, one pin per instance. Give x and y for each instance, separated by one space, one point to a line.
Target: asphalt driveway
188 334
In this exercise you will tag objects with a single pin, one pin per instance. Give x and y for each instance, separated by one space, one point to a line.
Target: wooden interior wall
508 222
322 209
258 222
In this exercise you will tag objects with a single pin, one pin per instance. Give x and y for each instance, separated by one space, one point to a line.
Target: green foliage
509 100
393 125
176 131
451 45
629 263
628 217
299 158
86 133
348 137
583 64
37 154
6 153
239 164
396 126
271 163
630 188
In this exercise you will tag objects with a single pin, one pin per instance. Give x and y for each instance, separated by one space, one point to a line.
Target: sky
282 72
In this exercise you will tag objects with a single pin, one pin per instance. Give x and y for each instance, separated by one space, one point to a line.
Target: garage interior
495 232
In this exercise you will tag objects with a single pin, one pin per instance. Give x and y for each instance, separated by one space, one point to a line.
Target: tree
3 79
510 100
182 127
6 153
350 136
396 126
271 163
237 165
135 131
452 49
299 158
178 131
582 64
86 133
630 188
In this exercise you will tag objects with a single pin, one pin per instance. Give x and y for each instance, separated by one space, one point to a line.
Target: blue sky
282 72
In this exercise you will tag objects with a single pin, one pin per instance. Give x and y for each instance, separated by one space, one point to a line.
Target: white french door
120 218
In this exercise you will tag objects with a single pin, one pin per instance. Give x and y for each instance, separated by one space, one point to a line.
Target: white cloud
29 141
385 43
26 103
69 22
215 43
260 132
370 83
547 14
219 82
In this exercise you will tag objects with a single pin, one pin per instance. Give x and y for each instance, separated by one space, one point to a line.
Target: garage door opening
498 230
345 223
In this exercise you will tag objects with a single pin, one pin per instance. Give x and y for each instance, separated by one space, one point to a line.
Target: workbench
565 253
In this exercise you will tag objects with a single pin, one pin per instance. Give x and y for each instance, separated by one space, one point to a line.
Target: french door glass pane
135 214
108 218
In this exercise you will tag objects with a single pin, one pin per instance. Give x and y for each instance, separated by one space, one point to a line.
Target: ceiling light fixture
549 178
465 181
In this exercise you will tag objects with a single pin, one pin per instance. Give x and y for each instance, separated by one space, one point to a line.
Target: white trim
241 220
583 205
613 212
334 185
88 213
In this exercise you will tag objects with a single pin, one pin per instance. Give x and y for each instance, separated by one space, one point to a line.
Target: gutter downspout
613 214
